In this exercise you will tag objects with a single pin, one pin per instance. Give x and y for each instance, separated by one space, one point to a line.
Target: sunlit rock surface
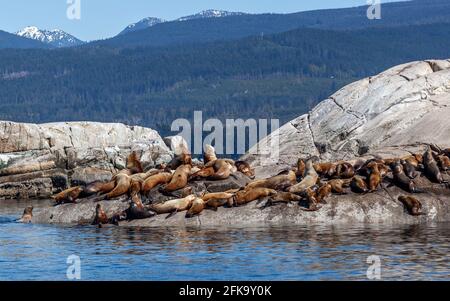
37 160
394 112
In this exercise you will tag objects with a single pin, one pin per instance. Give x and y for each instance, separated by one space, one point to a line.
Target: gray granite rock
84 151
398 110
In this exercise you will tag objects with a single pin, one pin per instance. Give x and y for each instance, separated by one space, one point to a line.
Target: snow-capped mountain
55 38
142 24
149 22
210 13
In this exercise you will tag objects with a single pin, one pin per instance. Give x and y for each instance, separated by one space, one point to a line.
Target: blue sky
106 18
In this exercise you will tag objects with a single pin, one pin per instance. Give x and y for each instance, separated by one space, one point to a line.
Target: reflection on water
270 253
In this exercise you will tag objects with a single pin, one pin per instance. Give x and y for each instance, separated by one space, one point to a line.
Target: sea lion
100 216
137 210
182 156
323 192
402 180
209 154
134 164
279 182
338 185
219 169
217 196
155 180
374 180
198 205
301 167
327 169
311 197
179 179
249 195
122 185
282 197
444 162
309 180
68 196
245 168
27 215
344 170
99 187
173 206
409 169
413 205
431 167
358 185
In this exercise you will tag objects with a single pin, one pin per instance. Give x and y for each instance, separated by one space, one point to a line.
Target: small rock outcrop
38 160
399 110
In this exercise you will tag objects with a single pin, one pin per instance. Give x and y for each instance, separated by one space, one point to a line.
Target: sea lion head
28 210
245 168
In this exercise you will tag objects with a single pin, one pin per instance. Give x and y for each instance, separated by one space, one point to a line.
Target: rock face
37 160
399 110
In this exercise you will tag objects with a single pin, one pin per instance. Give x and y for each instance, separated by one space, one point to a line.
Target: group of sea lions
310 182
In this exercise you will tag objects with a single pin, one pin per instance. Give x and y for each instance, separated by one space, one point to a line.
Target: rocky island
398 113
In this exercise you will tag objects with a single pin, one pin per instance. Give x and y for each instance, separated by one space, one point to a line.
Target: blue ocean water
40 252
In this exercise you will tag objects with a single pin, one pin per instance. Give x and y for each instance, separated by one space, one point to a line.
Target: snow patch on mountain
56 37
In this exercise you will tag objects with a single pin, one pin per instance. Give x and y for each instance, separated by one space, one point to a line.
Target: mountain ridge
55 38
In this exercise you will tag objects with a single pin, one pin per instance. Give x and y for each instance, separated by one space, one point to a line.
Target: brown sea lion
301 167
444 162
249 195
155 180
344 170
134 164
68 196
323 192
216 203
173 206
309 180
279 182
182 157
27 215
122 185
431 167
374 180
359 185
100 216
402 180
311 197
216 170
179 179
282 197
413 205
198 205
245 168
99 187
217 196
327 169
218 199
338 185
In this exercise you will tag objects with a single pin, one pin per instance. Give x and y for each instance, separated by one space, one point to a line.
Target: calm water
36 252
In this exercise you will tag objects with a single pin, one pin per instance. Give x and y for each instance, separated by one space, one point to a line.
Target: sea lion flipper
172 214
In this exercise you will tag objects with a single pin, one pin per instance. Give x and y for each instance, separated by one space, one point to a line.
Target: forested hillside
8 40
281 75
416 12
